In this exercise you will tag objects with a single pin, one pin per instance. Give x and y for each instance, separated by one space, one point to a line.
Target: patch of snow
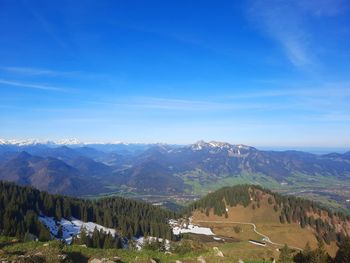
215 147
217 238
242 146
72 227
72 141
190 228
24 142
198 145
257 243
141 241
172 222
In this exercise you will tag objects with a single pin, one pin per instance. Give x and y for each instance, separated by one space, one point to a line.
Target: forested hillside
21 206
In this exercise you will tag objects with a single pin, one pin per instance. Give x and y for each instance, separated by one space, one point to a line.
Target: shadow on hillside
8 243
77 257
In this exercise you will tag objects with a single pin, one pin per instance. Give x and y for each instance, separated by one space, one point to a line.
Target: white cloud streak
181 105
34 71
285 22
340 91
4 82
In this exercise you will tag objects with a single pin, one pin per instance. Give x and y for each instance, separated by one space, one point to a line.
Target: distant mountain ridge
162 168
221 159
47 173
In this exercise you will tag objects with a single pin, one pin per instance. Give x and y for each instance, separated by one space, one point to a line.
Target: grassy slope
10 250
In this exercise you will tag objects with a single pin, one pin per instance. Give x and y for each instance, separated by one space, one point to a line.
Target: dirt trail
265 237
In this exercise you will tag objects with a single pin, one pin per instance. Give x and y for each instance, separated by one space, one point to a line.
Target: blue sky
259 72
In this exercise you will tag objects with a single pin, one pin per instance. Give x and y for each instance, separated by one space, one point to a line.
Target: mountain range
90 169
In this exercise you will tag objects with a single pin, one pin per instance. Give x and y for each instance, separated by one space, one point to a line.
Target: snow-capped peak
198 145
242 146
23 142
69 141
212 144
214 147
28 142
220 144
72 141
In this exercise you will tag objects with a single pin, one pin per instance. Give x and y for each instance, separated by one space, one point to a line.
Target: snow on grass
180 228
193 229
72 227
141 241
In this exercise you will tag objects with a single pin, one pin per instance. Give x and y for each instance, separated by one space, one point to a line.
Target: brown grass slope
264 211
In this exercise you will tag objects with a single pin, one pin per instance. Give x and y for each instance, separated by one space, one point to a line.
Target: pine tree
304 256
319 255
119 242
109 241
343 254
58 210
44 233
96 238
285 255
66 209
60 232
85 238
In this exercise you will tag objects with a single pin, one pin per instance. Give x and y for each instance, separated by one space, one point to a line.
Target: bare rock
63 258
117 259
105 260
218 252
201 259
37 258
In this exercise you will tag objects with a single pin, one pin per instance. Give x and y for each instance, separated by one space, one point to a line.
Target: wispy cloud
323 7
309 92
286 22
35 71
172 104
335 117
32 86
47 27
